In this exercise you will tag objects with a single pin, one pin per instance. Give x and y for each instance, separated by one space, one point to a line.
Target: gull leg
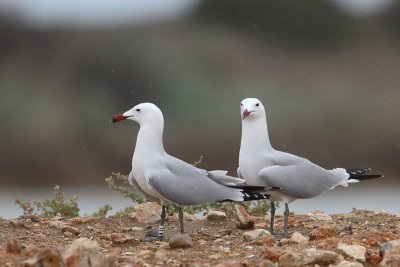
161 227
181 219
271 225
285 229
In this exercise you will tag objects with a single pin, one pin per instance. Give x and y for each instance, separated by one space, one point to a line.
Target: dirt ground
214 242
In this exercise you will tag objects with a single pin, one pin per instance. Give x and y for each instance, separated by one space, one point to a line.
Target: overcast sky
46 13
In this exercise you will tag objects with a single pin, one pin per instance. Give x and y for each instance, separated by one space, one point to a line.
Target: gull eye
138 109
258 104
241 104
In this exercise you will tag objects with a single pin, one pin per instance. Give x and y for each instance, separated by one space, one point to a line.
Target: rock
322 232
244 220
137 229
119 239
145 254
321 257
12 246
391 258
320 216
161 254
85 253
389 246
216 216
255 234
146 213
272 254
180 241
266 263
70 229
355 251
374 258
290 260
48 257
299 238
232 263
328 243
348 264
265 241
225 232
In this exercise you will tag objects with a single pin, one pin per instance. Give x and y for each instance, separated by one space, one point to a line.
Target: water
367 196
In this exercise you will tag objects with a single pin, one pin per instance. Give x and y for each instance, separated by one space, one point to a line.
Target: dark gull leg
181 219
285 229
271 226
161 227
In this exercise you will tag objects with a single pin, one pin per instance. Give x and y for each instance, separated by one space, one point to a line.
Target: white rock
355 251
320 216
348 264
255 234
299 238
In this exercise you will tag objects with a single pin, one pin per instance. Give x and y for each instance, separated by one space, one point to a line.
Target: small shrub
51 207
102 212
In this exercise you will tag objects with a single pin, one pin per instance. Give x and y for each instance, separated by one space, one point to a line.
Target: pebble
320 216
180 241
255 234
290 260
348 264
328 243
244 220
355 251
118 238
12 246
146 213
272 254
216 216
323 232
137 229
321 257
299 238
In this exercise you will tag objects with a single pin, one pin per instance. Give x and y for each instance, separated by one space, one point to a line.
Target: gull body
261 165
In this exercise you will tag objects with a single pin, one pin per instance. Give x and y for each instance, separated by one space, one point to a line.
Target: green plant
51 207
102 212
118 182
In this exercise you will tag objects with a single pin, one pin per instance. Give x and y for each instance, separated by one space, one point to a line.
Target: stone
348 264
272 254
389 246
70 229
215 216
232 263
225 232
328 243
299 238
289 260
48 257
12 246
391 257
321 257
243 218
119 239
137 229
264 241
255 234
145 254
323 232
266 263
356 219
85 253
355 251
374 258
180 241
146 213
320 216
161 254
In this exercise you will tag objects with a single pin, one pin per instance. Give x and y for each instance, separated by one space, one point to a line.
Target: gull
160 176
261 165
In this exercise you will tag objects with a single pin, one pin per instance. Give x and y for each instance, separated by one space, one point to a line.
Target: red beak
246 113
118 118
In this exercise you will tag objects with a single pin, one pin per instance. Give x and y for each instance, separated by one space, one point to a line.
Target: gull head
251 108
142 113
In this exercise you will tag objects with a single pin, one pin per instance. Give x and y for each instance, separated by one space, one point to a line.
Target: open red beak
246 113
118 118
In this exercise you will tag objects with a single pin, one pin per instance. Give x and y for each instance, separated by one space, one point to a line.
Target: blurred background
328 73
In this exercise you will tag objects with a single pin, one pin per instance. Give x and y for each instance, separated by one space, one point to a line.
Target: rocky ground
360 238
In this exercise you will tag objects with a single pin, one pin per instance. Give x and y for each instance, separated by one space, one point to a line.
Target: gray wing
183 185
221 177
137 188
298 177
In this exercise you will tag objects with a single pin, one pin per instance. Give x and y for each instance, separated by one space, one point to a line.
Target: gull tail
250 195
359 174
